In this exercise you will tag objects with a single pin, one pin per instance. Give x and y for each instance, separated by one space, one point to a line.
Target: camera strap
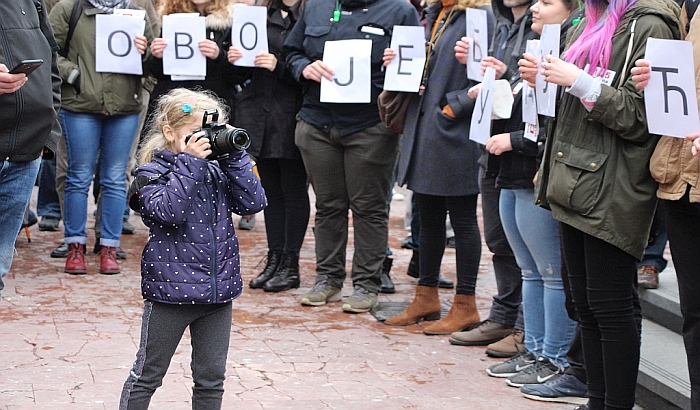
132 197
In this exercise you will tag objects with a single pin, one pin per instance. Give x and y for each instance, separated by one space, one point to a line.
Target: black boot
287 276
387 284
273 263
414 272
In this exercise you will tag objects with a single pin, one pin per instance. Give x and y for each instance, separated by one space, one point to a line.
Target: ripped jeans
533 234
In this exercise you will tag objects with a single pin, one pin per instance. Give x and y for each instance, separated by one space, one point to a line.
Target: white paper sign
140 13
115 51
480 127
405 71
547 92
351 62
249 32
669 98
477 32
181 56
529 100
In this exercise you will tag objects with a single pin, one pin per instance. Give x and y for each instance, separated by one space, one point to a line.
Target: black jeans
683 222
287 212
433 211
603 279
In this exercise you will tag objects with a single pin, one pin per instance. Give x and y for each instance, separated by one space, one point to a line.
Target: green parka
93 92
595 175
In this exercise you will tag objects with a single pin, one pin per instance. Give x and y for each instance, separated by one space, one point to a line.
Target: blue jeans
533 234
47 203
86 136
16 182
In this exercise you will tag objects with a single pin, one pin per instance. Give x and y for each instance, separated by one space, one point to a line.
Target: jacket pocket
313 40
576 177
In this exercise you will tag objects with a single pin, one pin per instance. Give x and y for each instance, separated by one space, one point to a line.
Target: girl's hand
197 146
388 56
462 50
559 72
695 137
498 144
233 54
528 68
500 66
534 179
474 91
317 70
266 60
157 47
641 72
209 49
141 43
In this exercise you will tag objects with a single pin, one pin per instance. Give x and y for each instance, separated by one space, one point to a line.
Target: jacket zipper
18 112
212 244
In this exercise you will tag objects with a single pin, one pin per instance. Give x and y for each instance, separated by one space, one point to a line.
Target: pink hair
594 45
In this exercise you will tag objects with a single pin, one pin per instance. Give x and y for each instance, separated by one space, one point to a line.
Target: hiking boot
321 294
512 366
566 388
108 261
414 272
273 262
387 284
509 346
287 275
486 333
120 252
61 251
247 223
648 277
542 371
360 301
75 264
127 228
49 224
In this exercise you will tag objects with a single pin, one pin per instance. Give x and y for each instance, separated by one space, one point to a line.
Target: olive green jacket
595 175
84 90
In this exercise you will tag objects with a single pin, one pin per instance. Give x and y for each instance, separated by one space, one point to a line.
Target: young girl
595 178
190 265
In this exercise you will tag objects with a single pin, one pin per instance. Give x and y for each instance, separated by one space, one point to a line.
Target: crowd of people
575 213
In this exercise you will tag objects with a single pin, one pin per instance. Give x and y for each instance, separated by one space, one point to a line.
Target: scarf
108 6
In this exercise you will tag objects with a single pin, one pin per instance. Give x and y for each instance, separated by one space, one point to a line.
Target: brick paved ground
67 342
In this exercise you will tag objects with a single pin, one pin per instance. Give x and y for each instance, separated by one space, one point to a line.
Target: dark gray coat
437 157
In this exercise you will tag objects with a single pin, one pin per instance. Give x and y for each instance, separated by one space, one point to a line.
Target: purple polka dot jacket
192 254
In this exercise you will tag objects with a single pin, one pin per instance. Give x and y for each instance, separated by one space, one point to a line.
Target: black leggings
287 212
433 212
603 281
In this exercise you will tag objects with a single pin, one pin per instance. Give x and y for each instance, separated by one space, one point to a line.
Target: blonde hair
465 4
186 6
177 109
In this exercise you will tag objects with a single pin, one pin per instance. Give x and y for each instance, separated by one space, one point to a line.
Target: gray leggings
161 330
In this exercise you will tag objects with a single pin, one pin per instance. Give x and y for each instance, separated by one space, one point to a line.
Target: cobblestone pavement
68 342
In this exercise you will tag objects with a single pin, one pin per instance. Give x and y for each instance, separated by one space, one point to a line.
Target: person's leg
462 211
271 180
683 221
16 182
432 237
61 155
369 157
162 327
296 201
47 205
210 342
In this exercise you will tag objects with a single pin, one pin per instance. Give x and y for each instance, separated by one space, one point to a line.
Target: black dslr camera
222 140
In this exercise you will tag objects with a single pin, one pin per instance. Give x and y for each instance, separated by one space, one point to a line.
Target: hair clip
165 119
187 108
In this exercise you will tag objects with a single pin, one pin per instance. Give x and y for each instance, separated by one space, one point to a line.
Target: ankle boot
273 262
75 264
462 315
108 261
414 272
425 305
287 276
387 284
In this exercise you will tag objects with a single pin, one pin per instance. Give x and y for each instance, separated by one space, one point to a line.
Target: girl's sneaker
512 366
542 371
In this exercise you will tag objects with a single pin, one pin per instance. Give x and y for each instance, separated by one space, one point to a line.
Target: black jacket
29 116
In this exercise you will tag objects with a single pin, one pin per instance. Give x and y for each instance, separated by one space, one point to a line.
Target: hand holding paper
641 73
528 68
317 70
559 72
462 50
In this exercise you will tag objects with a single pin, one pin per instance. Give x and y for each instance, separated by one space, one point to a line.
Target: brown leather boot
462 315
425 305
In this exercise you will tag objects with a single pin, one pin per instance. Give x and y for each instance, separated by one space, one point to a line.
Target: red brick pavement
67 342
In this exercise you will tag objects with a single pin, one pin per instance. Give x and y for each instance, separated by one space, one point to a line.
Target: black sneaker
127 228
566 388
512 366
49 224
542 371
60 252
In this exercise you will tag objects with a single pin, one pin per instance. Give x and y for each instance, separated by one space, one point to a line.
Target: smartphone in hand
27 67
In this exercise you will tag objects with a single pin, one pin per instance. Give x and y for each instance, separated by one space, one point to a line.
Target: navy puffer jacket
192 251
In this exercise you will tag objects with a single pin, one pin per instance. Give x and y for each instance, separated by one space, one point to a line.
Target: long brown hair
186 6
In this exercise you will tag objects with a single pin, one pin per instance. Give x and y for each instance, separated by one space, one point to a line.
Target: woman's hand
10 83
157 47
500 66
474 91
498 144
266 60
695 137
462 50
528 68
233 54
141 43
209 49
197 146
559 72
641 72
317 70
388 56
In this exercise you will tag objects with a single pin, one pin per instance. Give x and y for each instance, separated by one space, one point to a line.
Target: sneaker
582 407
509 346
360 301
512 366
127 228
321 294
98 248
542 371
247 223
61 251
387 283
486 333
49 224
566 388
